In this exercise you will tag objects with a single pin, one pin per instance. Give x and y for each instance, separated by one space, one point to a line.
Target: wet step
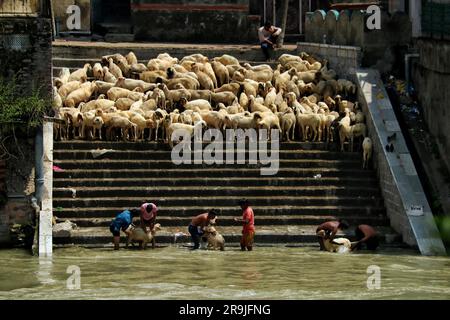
161 146
207 172
168 164
216 191
264 234
97 154
231 210
217 201
332 182
183 222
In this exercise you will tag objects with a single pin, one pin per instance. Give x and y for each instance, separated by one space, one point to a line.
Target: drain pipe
36 202
408 67
39 164
37 210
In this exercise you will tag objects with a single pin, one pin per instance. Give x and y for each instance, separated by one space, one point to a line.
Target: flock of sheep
121 98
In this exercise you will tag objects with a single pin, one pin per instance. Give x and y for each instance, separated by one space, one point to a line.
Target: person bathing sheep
366 235
124 222
330 228
148 218
197 225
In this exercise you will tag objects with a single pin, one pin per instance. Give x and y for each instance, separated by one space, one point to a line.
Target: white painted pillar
415 14
46 214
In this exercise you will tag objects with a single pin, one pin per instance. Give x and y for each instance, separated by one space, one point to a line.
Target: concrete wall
344 59
399 182
431 78
194 21
349 28
26 51
60 12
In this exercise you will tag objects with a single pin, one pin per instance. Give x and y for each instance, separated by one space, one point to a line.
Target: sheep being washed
337 245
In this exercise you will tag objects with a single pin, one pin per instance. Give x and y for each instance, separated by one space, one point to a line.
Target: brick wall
26 51
344 59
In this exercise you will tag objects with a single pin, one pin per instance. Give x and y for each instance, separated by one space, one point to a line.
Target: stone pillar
415 14
46 214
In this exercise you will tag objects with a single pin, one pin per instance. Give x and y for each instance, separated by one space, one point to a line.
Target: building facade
26 55
431 73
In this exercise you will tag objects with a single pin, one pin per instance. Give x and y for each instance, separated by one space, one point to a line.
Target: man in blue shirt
122 221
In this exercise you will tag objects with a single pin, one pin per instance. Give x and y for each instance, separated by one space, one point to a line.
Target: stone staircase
288 207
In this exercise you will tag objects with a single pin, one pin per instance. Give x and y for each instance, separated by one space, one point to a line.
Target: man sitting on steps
268 37
198 223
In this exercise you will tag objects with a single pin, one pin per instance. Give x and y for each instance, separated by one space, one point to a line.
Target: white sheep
367 152
187 129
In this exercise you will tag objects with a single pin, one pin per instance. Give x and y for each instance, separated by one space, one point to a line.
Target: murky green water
266 273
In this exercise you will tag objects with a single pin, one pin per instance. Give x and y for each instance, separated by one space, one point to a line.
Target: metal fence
436 19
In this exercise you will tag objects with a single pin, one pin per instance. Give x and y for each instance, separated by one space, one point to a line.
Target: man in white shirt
268 37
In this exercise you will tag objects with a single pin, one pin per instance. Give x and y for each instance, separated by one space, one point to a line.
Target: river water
266 273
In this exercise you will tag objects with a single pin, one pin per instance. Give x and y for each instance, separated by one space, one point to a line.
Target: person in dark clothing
367 235
198 223
124 222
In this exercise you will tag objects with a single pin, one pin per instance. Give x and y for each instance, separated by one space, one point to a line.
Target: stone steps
314 184
207 173
83 154
232 234
160 146
274 220
167 164
227 182
194 209
217 191
209 202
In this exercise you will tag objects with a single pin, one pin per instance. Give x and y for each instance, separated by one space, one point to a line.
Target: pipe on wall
408 67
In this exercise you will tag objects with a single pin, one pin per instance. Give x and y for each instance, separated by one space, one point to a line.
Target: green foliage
18 110
22 235
443 224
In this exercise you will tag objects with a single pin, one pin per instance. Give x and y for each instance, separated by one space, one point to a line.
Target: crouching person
330 228
197 225
366 235
123 221
148 219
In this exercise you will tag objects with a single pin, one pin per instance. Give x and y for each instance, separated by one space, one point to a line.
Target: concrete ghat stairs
288 207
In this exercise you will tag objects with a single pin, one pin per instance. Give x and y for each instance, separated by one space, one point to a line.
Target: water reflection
44 272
